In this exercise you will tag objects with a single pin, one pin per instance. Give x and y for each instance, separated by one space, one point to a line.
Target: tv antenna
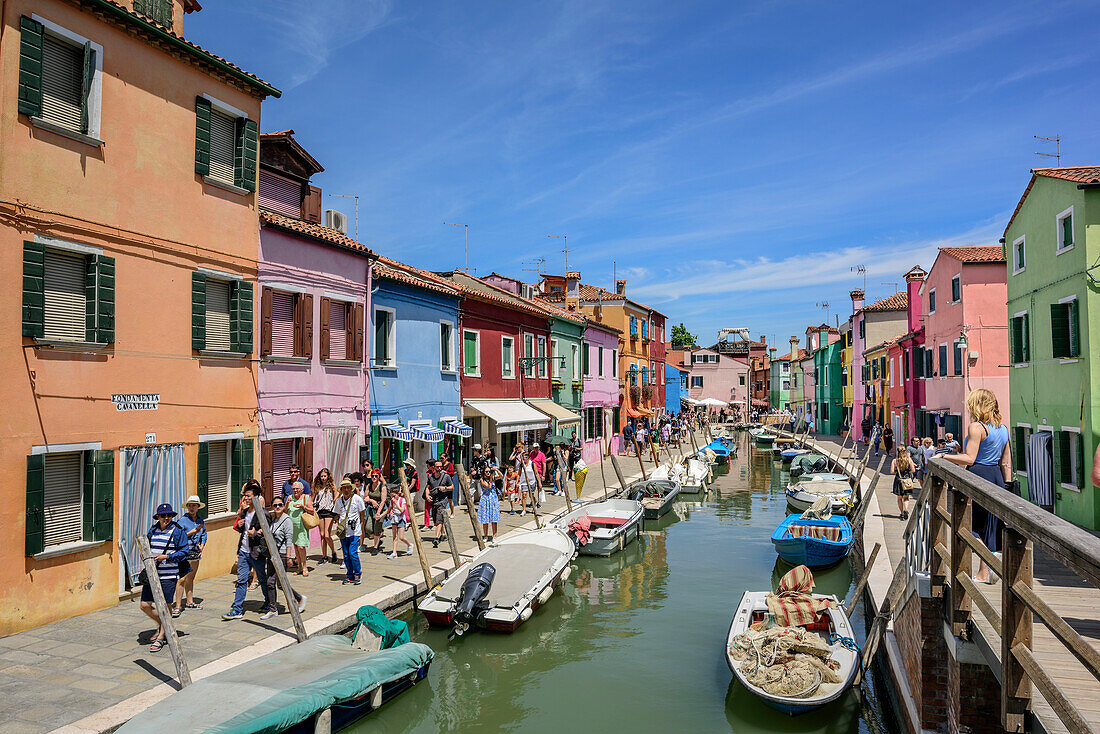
538 265
861 270
1057 154
895 286
565 245
466 244
824 306
349 196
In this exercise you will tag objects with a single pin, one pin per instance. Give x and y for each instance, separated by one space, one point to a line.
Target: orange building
641 368
129 234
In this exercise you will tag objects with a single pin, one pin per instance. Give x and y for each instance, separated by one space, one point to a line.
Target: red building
657 361
908 406
505 344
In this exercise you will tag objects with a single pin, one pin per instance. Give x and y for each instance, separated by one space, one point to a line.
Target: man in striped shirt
168 543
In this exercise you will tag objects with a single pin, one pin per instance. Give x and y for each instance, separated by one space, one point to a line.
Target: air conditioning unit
336 220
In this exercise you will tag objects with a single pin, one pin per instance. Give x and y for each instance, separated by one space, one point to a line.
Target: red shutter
267 470
307 325
305 459
311 205
299 321
265 321
358 340
325 346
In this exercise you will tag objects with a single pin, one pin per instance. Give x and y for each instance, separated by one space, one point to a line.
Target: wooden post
1015 629
619 474
451 538
961 522
857 592
638 449
534 506
561 468
464 485
937 534
183 673
280 569
415 530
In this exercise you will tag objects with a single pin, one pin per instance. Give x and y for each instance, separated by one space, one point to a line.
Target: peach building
128 220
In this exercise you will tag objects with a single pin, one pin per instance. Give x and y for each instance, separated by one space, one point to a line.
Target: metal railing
939 541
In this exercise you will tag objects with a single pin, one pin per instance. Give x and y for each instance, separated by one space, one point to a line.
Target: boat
831 624
694 479
611 525
803 493
350 677
812 542
721 451
504 584
656 495
792 454
808 463
762 436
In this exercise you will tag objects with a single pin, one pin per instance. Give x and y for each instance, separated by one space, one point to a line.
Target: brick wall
935 676
977 707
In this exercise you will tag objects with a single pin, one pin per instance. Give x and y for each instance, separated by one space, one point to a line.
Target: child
398 519
511 488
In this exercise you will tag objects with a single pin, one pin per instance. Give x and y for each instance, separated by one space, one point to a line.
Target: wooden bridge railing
939 540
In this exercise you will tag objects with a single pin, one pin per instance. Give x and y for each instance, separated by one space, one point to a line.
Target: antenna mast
466 244
861 270
565 245
1057 154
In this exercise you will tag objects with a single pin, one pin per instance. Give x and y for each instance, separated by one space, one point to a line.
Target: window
280 194
286 325
599 362
633 327
1069 459
1064 329
741 379
824 376
385 338
226 143
221 314
957 361
446 347
587 361
542 357
283 325
645 330
956 289
575 353
338 329
471 353
217 473
932 301
1065 230
823 408
70 498
68 295
927 362
614 362
633 374
528 354
861 330
1019 261
507 357
786 384
593 423
555 366
696 380
1021 435
60 80
1020 346
785 368
943 360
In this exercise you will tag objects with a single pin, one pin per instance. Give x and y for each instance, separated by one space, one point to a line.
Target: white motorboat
612 525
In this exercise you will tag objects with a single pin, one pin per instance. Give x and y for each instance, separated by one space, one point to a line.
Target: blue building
676 387
414 379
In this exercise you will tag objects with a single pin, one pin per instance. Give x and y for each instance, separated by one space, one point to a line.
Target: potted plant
635 394
647 391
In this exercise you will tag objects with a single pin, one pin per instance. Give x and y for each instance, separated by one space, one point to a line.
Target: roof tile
311 230
982 254
897 302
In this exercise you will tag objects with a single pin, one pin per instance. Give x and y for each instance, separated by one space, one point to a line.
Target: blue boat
790 454
721 451
812 543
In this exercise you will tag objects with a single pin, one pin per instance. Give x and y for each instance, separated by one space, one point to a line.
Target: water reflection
746 715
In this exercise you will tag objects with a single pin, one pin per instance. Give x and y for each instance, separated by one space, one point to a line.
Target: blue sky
733 160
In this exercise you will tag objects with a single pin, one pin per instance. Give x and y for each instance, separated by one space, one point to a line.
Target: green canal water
635 641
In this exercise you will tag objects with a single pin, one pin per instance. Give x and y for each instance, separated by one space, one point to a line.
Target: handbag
310 521
908 484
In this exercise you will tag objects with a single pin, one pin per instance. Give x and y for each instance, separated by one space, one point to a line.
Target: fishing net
784 661
821 509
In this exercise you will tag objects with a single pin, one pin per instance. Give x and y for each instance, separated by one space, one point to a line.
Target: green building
828 383
566 369
779 395
1052 245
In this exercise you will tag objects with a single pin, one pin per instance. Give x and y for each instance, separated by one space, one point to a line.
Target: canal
635 641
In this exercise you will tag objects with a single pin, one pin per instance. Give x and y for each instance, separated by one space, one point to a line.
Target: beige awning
511 416
562 415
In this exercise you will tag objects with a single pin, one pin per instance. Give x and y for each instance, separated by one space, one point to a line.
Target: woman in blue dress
985 453
488 507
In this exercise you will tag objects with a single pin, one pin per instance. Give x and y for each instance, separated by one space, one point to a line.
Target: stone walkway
60 673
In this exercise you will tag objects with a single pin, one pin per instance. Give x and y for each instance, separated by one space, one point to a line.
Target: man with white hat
412 478
477 461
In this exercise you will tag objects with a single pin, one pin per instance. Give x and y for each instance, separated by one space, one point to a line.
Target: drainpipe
368 313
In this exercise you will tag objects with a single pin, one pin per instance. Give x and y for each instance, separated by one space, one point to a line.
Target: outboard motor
472 604
820 464
637 495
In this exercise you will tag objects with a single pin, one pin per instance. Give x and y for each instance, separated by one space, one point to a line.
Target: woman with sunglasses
376 504
488 507
324 500
300 503
282 532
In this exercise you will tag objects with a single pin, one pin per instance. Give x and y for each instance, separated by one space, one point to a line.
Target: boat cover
280 689
518 565
393 632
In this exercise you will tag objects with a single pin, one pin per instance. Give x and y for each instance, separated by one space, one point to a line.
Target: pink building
720 376
600 397
907 403
966 334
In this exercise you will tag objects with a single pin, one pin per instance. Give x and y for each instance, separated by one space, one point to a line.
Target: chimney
857 299
572 289
763 339
794 347
823 337
914 279
620 287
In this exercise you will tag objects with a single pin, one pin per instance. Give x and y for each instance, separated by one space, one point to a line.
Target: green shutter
1074 328
34 289
198 311
202 136
202 485
86 85
36 501
30 66
240 324
103 511
1025 338
244 164
1059 330
1080 478
1014 339
105 299
1062 466
375 449
87 495
240 470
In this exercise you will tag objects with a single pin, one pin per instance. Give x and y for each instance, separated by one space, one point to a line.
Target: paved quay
93 672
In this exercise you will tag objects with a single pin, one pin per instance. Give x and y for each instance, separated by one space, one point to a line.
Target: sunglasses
162 517
276 504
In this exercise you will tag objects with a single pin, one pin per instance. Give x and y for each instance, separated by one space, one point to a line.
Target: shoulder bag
341 530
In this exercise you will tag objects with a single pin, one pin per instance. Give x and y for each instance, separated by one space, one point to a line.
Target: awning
713 402
457 428
562 415
427 434
511 416
757 402
689 401
396 430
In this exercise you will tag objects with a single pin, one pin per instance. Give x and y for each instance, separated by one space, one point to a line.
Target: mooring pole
183 673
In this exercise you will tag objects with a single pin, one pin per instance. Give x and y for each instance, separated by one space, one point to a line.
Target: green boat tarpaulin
393 632
805 461
280 689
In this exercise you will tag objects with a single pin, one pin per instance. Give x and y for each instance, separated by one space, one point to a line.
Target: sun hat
164 509
346 483
477 446
194 500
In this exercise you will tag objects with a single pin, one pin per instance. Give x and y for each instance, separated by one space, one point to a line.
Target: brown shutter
265 321
311 205
267 470
358 338
305 459
307 325
350 313
299 320
324 327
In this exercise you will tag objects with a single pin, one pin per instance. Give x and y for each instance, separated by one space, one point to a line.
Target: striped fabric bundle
792 603
821 532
